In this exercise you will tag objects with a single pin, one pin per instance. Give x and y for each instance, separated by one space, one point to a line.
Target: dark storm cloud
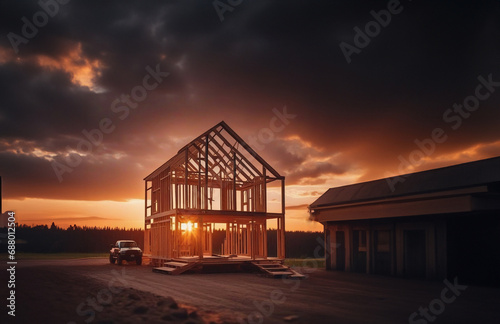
301 163
38 103
263 55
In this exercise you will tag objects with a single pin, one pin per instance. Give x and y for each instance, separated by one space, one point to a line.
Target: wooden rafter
248 177
241 155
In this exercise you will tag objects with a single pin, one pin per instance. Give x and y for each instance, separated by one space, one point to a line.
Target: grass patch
54 256
309 262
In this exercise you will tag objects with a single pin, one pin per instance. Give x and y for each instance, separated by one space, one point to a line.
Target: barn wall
406 247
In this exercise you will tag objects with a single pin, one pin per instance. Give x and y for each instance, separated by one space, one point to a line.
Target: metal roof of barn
482 172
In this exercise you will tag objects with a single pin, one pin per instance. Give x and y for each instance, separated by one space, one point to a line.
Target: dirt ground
94 291
54 294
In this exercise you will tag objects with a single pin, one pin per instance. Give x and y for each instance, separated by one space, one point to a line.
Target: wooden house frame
215 181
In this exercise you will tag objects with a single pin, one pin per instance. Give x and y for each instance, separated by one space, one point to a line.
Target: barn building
432 224
217 182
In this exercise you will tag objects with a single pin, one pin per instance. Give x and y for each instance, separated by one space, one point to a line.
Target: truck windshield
128 244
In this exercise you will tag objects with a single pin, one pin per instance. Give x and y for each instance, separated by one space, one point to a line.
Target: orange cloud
82 70
471 153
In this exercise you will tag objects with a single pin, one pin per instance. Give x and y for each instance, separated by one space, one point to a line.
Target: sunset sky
83 68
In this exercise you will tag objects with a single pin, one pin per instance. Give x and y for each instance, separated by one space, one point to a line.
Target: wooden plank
271 265
280 273
188 267
186 193
264 192
219 156
234 182
206 174
249 149
176 264
257 172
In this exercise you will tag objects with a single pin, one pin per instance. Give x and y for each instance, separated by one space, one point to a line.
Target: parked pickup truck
125 250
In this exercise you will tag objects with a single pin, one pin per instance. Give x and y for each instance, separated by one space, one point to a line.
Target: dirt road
325 297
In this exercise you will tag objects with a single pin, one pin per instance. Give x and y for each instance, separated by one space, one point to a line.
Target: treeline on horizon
85 239
74 239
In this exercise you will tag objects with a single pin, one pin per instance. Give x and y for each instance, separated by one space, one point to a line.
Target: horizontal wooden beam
226 213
